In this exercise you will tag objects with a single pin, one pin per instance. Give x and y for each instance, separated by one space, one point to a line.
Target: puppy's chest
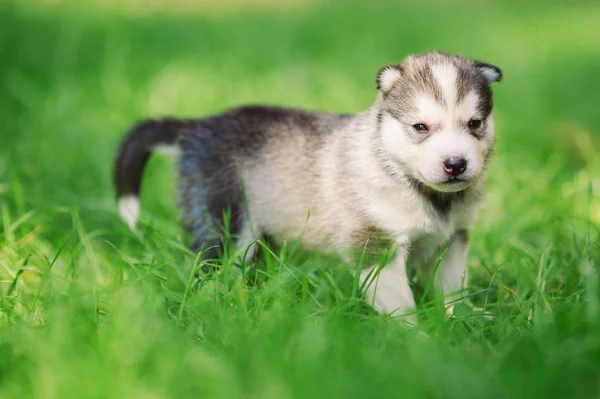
408 217
374 241
423 230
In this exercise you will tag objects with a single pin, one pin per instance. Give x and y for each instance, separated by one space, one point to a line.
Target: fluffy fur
341 182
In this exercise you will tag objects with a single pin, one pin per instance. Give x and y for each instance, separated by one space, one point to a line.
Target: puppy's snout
454 166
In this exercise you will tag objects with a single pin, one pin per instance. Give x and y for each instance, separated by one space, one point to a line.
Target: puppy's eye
421 128
474 124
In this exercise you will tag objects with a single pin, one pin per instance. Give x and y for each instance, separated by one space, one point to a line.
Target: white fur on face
448 135
396 142
429 110
467 108
446 75
441 146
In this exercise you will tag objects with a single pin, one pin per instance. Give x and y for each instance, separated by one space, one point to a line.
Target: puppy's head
435 118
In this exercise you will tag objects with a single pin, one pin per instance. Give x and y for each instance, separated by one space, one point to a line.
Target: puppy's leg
451 276
211 218
389 292
246 243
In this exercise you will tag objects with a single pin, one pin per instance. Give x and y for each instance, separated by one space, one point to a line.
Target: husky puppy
409 169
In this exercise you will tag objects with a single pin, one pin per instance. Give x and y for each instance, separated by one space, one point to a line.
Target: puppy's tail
143 139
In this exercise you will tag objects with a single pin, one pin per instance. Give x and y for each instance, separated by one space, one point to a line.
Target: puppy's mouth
455 181
451 185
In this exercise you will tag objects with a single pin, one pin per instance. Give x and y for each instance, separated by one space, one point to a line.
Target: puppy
407 173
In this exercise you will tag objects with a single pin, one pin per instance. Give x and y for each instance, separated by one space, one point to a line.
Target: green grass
89 309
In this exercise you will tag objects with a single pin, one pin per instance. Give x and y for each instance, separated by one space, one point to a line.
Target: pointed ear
387 76
491 72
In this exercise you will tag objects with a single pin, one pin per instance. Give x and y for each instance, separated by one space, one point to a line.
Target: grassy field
90 309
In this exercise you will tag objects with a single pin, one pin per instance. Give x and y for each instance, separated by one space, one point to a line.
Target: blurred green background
89 309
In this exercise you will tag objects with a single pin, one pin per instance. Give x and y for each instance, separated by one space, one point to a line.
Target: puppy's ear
387 76
491 72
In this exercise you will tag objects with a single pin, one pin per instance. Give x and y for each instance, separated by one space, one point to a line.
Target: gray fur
214 155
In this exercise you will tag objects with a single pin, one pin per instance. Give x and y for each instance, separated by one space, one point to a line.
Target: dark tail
132 156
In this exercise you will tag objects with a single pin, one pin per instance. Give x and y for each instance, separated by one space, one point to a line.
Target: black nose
454 166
